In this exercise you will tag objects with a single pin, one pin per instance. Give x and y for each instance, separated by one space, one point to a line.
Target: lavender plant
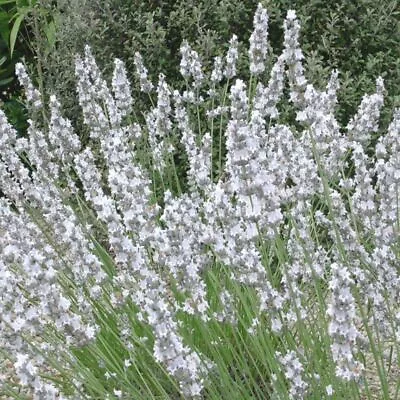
270 272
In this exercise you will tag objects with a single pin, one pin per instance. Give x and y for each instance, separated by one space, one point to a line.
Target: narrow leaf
14 32
4 82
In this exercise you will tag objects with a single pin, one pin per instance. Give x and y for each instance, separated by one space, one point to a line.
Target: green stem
220 131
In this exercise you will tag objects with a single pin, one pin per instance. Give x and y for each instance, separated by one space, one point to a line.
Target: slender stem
198 113
36 31
220 131
212 133
178 185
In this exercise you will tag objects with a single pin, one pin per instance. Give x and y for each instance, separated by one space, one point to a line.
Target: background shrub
358 38
13 47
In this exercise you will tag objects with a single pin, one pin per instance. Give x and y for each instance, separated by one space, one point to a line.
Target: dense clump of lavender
51 275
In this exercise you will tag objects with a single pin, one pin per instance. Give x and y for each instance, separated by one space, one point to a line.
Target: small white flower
329 390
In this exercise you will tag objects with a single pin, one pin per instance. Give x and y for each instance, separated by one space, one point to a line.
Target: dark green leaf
6 81
4 26
14 32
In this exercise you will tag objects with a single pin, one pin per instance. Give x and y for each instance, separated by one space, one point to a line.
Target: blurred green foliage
12 49
359 38
23 23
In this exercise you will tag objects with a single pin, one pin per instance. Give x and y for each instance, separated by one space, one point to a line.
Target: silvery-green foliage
282 185
360 39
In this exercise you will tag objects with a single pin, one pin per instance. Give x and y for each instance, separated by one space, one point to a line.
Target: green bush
23 23
360 39
12 48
